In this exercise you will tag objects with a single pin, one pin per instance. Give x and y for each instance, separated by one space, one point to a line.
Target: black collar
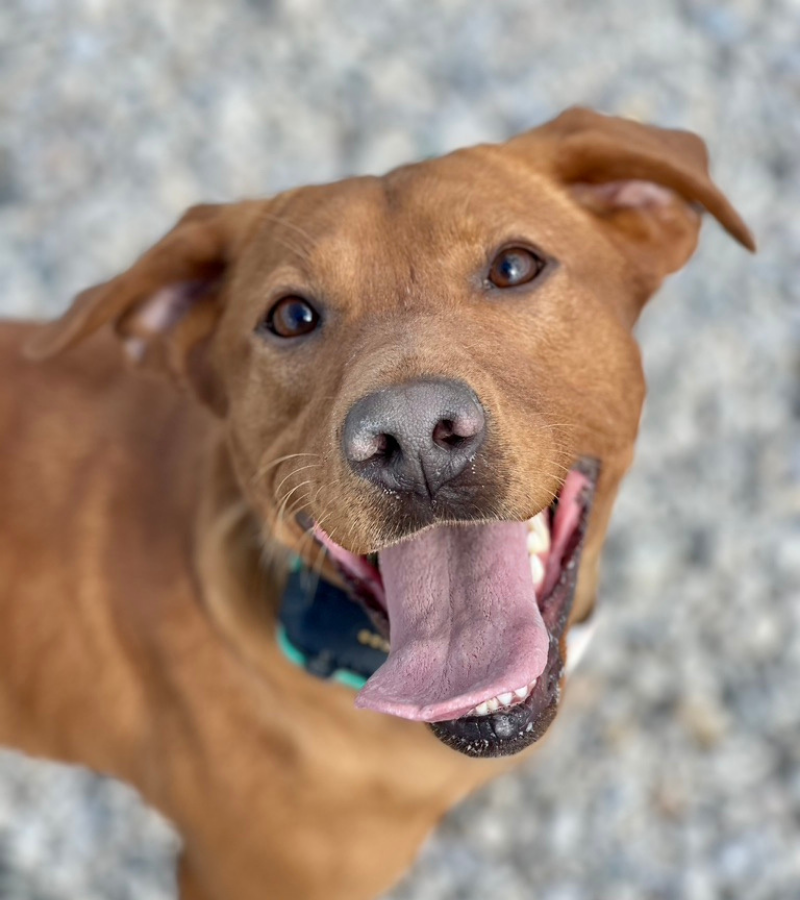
323 630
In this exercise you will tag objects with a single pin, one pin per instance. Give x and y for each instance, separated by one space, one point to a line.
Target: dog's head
434 373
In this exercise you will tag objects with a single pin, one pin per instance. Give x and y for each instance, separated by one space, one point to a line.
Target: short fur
144 526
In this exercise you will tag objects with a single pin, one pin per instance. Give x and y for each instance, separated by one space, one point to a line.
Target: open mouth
474 614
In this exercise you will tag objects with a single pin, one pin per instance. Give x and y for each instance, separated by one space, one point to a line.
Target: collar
323 630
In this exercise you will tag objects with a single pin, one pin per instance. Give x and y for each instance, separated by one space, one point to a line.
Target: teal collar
324 631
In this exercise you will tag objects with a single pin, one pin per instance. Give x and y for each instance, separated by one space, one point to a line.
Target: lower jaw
512 729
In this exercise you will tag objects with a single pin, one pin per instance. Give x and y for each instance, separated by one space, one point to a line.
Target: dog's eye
291 317
513 266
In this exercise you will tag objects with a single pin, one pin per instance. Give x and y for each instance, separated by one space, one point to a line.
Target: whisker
293 473
262 470
279 519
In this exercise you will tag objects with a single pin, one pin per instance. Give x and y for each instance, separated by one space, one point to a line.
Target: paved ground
675 772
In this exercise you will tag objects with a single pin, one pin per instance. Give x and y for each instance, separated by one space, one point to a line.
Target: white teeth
538 534
539 521
506 699
537 571
536 544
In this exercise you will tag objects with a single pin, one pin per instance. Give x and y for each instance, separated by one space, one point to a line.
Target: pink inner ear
629 194
158 314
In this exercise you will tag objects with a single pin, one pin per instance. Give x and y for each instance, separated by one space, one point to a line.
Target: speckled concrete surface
674 772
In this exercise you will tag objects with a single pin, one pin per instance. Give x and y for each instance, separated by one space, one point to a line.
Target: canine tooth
532 685
506 699
536 544
538 534
537 571
482 709
537 520
493 704
522 692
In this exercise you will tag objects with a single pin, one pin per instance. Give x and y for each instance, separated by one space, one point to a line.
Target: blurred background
674 770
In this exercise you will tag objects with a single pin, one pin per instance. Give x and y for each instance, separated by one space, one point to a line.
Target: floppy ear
166 306
648 185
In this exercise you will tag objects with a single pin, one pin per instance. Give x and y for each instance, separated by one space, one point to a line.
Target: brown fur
141 556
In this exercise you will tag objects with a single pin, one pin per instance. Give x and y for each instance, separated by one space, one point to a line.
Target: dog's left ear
648 185
166 305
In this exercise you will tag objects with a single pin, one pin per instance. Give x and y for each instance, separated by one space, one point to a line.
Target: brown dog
435 367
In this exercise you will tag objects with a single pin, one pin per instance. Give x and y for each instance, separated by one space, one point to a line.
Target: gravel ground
674 772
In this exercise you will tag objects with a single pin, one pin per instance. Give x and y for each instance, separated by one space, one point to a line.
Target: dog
374 441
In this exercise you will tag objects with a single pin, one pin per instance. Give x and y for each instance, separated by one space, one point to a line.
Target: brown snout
414 437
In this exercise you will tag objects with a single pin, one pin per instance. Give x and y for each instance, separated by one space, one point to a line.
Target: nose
414 437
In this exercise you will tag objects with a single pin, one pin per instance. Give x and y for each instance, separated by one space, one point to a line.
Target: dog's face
433 374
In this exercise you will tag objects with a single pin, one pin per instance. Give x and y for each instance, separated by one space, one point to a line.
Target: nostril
459 431
388 448
368 447
444 435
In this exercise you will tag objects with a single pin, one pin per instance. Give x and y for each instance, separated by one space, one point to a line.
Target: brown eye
513 266
291 317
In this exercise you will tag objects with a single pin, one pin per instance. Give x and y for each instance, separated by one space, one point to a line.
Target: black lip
509 731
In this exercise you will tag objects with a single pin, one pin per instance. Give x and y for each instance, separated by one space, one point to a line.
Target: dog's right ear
167 304
645 186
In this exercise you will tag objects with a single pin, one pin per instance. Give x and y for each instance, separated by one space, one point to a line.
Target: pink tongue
464 622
